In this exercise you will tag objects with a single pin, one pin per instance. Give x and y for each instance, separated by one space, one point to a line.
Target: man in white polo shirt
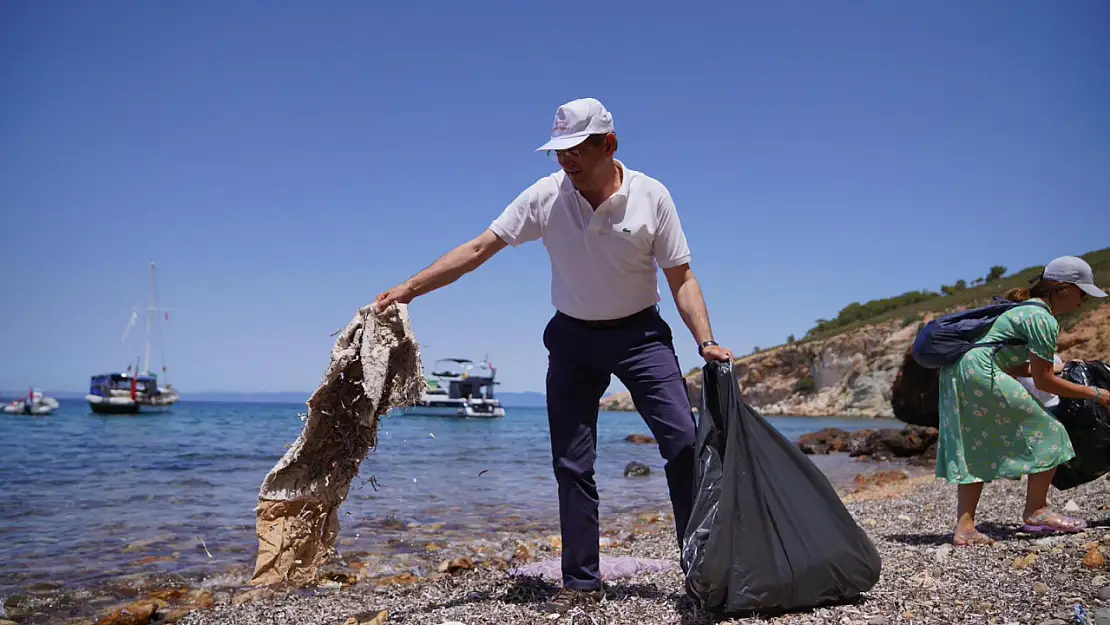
607 229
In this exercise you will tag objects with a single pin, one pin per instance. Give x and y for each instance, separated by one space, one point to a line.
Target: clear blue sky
285 162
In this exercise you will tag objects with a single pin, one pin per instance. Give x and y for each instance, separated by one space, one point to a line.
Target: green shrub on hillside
856 312
958 295
961 285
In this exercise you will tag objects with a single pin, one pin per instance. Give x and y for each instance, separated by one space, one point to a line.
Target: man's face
583 163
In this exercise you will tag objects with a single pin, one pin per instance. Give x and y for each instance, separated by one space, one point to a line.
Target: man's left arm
690 302
673 255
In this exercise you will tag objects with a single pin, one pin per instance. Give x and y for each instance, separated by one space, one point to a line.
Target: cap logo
561 125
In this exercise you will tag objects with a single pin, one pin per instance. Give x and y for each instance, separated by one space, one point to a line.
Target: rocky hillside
850 373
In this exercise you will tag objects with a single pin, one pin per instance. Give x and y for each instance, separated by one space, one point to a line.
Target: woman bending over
991 427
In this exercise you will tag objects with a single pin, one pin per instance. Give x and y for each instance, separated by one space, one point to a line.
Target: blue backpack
943 341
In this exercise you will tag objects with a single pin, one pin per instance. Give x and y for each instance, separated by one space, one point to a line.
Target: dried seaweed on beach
375 366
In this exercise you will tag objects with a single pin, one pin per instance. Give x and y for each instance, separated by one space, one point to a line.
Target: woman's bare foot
963 538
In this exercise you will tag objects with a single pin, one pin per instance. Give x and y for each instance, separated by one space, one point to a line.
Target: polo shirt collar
600 217
621 193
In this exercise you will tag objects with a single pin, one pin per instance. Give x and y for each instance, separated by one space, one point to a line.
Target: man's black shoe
569 598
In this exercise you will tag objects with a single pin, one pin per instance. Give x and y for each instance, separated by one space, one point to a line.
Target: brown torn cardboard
375 366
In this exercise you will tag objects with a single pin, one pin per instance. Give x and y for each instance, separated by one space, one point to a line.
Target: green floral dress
990 426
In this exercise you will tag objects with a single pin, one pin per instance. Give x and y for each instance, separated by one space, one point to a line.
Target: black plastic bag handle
715 371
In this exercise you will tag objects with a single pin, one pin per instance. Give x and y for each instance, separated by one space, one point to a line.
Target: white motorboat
459 388
36 403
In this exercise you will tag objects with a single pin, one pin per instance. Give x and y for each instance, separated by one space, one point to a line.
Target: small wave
231 456
193 482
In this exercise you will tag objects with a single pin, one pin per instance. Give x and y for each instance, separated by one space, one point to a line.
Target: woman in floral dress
991 427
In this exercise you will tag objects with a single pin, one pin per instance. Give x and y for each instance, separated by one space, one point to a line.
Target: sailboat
132 392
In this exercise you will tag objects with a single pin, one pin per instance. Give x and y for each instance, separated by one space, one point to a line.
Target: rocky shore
1022 579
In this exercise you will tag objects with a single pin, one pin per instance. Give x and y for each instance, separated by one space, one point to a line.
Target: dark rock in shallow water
640 439
909 442
927 459
831 439
636 469
19 607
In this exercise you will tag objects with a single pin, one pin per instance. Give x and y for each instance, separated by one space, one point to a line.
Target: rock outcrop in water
850 374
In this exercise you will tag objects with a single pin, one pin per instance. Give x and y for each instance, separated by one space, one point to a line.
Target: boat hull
35 411
38 408
100 405
114 408
456 411
454 407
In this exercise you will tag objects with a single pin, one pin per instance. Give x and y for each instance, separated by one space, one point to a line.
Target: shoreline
1022 579
772 411
413 557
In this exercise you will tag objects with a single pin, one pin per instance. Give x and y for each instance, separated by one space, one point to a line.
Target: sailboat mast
149 319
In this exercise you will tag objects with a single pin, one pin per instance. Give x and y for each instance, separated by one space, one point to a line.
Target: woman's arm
1023 370
1045 379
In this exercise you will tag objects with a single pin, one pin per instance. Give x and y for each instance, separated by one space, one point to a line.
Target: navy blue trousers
581 359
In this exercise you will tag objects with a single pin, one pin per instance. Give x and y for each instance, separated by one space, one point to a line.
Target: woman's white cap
1073 270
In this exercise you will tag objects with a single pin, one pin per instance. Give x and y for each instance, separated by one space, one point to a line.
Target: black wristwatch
705 344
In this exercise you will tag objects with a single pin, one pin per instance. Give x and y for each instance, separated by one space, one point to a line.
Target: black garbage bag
768 534
1088 426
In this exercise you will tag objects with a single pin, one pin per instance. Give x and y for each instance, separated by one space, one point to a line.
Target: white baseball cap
1073 270
576 120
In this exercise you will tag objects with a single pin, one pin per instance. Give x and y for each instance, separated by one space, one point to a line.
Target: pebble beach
1021 579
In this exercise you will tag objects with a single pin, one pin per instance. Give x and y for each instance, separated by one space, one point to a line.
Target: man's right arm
456 263
449 268
518 223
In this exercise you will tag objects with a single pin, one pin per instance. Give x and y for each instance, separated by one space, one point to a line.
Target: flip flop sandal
1051 523
977 538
